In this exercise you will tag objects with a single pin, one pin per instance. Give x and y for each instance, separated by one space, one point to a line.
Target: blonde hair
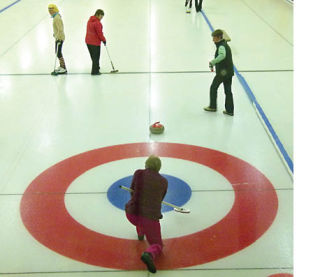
53 7
154 163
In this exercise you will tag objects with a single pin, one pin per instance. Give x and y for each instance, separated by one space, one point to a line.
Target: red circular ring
45 216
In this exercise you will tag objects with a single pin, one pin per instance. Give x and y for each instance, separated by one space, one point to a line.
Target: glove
105 43
211 67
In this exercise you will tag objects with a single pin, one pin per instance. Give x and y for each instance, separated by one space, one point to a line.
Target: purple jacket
149 189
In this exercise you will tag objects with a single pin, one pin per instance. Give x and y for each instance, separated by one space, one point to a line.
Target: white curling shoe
61 70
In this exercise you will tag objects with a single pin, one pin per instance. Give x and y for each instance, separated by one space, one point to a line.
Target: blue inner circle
178 193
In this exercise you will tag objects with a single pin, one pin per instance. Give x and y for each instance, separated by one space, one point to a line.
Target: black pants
198 5
58 48
95 57
227 82
190 3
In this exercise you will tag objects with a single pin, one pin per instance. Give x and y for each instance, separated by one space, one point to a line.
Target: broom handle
109 57
164 202
55 60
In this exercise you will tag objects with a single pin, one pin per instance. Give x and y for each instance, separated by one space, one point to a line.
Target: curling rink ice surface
67 140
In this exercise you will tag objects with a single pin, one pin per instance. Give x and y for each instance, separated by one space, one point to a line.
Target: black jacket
224 68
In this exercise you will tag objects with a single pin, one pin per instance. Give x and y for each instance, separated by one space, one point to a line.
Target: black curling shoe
227 113
148 260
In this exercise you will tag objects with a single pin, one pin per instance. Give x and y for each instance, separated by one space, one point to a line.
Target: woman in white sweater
58 34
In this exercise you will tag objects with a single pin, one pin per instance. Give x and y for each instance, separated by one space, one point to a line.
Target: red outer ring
45 216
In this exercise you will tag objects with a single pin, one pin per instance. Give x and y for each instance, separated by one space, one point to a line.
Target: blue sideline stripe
265 119
260 110
207 20
7 7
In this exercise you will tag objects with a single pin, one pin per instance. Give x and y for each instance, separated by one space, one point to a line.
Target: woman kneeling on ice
144 208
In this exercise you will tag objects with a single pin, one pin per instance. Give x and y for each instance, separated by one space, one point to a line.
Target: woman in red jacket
144 208
94 37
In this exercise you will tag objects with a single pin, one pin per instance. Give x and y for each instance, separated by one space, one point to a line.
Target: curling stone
156 128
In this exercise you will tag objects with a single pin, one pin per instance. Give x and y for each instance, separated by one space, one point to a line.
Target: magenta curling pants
151 229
